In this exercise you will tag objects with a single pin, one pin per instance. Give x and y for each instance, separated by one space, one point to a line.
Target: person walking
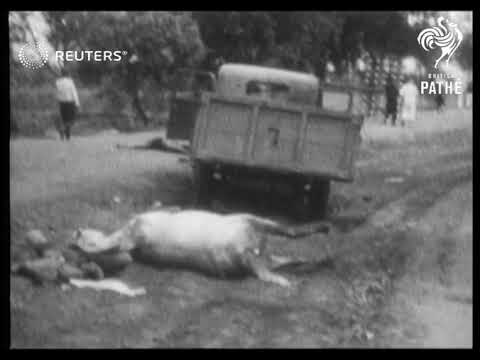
408 101
391 95
69 103
440 102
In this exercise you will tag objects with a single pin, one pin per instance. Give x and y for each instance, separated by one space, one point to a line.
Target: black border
210 6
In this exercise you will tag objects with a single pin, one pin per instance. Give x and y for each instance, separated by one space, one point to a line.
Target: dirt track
401 250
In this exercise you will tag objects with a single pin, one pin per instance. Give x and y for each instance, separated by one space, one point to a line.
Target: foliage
465 52
156 45
159 45
306 40
298 39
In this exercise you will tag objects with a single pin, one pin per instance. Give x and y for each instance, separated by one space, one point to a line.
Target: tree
23 79
379 33
156 44
298 40
302 40
465 52
237 36
308 36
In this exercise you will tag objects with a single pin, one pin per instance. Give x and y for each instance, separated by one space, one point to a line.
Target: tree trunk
321 72
370 83
133 88
137 105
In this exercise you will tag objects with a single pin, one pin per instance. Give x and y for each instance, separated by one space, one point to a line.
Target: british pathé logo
445 84
447 38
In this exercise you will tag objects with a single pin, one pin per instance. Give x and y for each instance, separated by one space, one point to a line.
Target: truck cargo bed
276 137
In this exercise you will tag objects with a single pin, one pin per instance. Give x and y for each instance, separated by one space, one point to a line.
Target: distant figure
470 86
468 102
408 101
440 102
67 97
391 95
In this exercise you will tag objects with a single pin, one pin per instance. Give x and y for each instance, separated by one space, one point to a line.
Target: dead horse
221 245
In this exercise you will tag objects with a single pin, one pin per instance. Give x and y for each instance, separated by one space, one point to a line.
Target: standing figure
67 97
408 101
440 102
391 95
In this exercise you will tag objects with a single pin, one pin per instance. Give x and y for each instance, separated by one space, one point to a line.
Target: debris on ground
41 270
67 271
92 271
109 284
37 241
41 262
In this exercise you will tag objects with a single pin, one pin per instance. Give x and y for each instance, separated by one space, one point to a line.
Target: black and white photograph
241 179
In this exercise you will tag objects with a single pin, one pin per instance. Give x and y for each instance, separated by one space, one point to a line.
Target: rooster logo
448 38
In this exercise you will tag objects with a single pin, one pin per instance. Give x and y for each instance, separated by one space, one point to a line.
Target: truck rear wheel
313 204
320 195
202 177
302 206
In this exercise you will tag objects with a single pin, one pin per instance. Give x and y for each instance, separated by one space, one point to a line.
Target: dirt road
399 274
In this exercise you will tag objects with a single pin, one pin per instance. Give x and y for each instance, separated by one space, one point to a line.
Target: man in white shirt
67 97
408 101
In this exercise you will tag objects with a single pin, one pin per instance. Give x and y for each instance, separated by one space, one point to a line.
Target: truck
282 130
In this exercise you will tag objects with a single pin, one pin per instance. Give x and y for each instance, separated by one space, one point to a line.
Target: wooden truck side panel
183 112
325 144
275 137
226 130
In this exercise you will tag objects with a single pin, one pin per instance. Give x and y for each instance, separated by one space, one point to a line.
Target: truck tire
302 201
302 206
313 204
320 195
202 177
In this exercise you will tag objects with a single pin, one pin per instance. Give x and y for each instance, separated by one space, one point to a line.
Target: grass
34 109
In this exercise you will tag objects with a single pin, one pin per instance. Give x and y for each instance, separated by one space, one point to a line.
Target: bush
31 123
34 108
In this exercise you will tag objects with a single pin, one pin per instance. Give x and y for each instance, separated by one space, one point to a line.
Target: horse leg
261 271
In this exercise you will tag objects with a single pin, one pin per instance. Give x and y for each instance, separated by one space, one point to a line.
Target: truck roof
267 72
233 79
